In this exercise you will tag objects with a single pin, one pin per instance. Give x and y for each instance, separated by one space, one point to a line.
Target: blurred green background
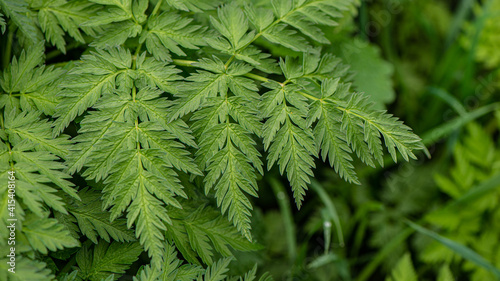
436 65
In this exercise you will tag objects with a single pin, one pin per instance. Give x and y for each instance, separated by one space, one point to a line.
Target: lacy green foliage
105 259
169 100
404 271
483 34
87 217
476 160
173 269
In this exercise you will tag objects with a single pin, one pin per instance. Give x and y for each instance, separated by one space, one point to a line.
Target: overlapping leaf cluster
168 97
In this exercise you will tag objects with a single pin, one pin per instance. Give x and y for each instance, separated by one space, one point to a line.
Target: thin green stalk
157 8
458 21
8 51
285 208
188 63
136 54
363 20
257 77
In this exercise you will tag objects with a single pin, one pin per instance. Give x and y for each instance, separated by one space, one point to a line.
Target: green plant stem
136 54
285 208
157 8
190 63
8 51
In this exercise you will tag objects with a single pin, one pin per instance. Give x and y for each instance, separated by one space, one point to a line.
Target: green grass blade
439 132
478 191
459 249
286 212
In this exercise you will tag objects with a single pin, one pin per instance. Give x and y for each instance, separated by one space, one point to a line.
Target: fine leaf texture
152 140
104 259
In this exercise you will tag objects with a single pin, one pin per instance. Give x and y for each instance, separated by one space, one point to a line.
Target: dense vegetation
249 140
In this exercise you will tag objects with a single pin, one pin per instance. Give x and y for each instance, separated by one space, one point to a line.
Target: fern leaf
171 269
217 271
95 126
105 259
117 33
57 18
201 86
396 135
153 107
47 234
140 179
35 85
196 6
287 136
120 21
44 163
226 149
303 16
404 270
97 73
93 222
35 189
20 70
156 73
233 25
167 32
26 269
17 11
199 231
29 129
333 142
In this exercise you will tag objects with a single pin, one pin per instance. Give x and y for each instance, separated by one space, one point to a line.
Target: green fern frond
97 73
105 259
171 269
34 84
17 11
169 151
167 32
47 234
199 231
404 270
93 222
26 269
120 20
60 17
289 18
196 6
